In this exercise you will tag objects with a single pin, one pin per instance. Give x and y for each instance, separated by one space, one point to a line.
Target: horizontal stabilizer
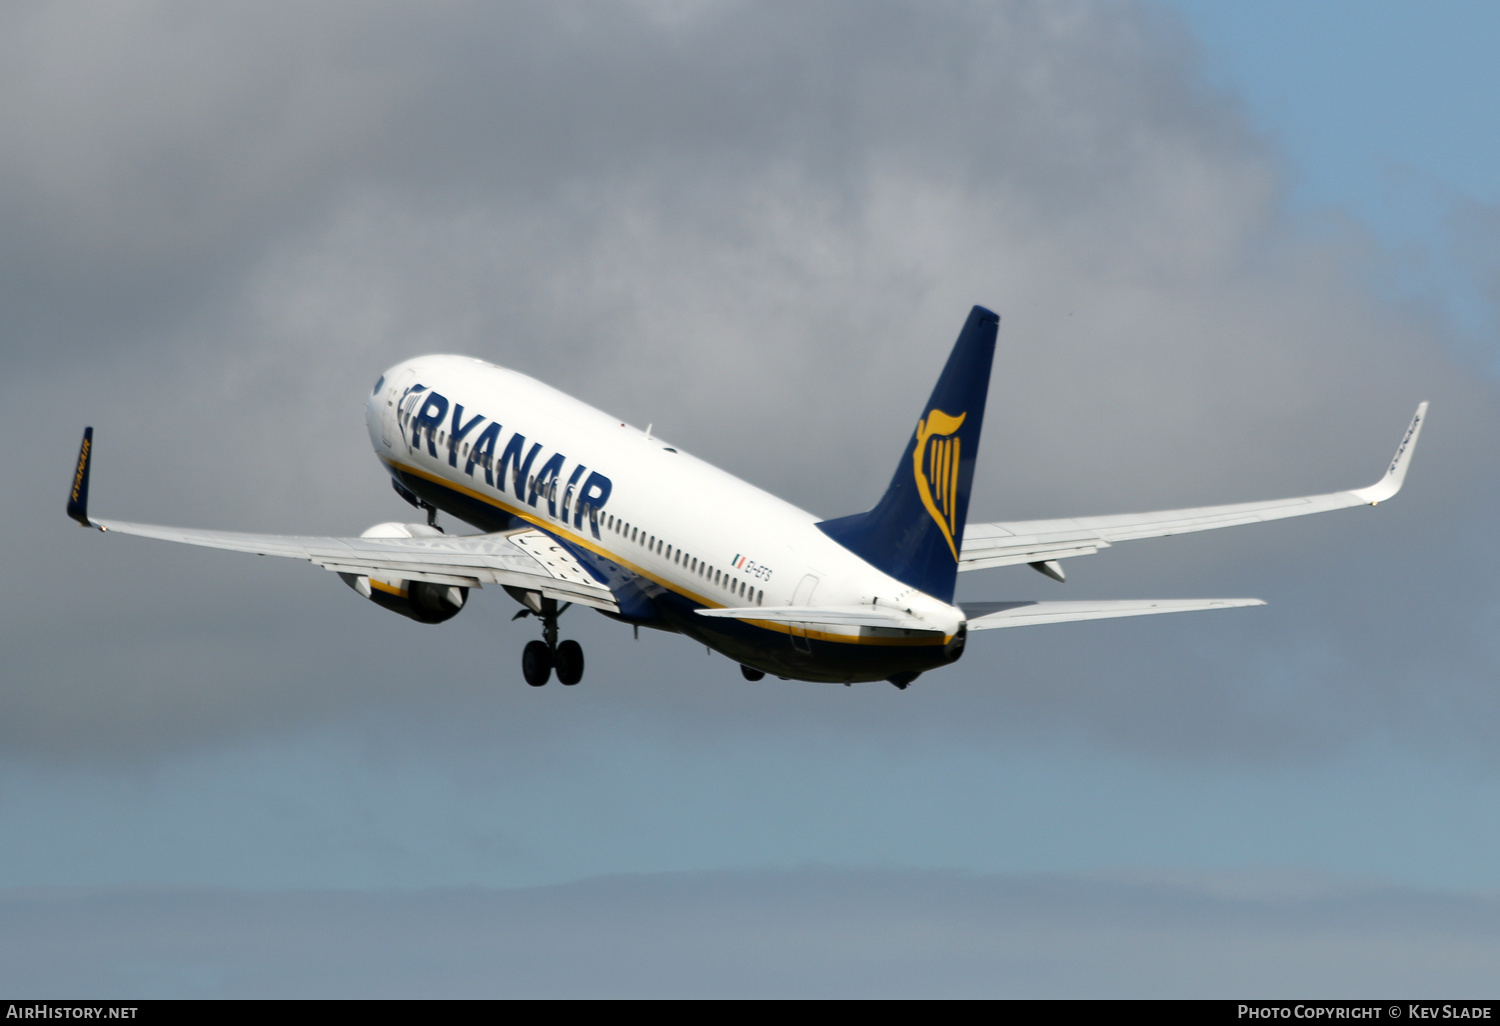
985 616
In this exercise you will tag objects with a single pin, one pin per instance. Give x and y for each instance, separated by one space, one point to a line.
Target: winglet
78 497
1390 484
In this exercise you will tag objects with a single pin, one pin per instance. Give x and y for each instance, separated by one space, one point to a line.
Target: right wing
1039 541
527 559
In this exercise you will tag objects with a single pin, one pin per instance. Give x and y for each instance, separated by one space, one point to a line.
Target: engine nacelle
422 601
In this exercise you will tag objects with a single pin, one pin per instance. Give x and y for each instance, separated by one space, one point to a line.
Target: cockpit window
378 384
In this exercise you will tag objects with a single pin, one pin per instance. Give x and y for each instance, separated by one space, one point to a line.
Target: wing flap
402 573
985 616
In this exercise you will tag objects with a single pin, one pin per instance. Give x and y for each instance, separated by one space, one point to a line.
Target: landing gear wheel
569 662
536 663
751 674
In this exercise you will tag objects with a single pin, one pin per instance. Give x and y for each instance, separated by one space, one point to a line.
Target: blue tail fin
914 533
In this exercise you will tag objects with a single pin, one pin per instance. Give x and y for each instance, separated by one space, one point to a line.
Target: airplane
575 507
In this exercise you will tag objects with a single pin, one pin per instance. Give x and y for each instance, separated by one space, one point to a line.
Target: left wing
1040 541
525 559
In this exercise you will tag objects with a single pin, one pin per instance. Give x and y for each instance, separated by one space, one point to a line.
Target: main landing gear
538 661
540 658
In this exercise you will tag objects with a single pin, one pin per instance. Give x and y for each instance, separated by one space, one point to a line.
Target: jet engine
421 601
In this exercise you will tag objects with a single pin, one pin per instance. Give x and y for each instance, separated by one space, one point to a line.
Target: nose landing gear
540 658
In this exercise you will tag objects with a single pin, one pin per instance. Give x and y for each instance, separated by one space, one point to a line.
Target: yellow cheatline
577 539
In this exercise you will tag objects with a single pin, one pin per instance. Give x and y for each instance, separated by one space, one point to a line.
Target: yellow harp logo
935 464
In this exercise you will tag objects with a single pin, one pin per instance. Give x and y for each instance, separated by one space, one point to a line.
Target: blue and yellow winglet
78 497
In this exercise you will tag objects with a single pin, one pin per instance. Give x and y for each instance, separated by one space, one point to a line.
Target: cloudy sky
1232 248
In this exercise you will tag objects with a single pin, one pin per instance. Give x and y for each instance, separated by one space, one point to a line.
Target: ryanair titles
426 414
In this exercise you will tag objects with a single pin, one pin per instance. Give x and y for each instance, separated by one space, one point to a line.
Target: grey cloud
758 227
807 933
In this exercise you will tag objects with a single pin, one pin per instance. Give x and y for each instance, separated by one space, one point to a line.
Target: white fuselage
647 517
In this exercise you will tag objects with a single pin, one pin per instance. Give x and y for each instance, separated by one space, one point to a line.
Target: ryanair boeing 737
577 508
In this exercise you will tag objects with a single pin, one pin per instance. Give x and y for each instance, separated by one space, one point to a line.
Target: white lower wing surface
984 616
1036 541
518 559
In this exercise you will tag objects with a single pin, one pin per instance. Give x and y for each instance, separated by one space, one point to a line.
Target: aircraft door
803 597
401 406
